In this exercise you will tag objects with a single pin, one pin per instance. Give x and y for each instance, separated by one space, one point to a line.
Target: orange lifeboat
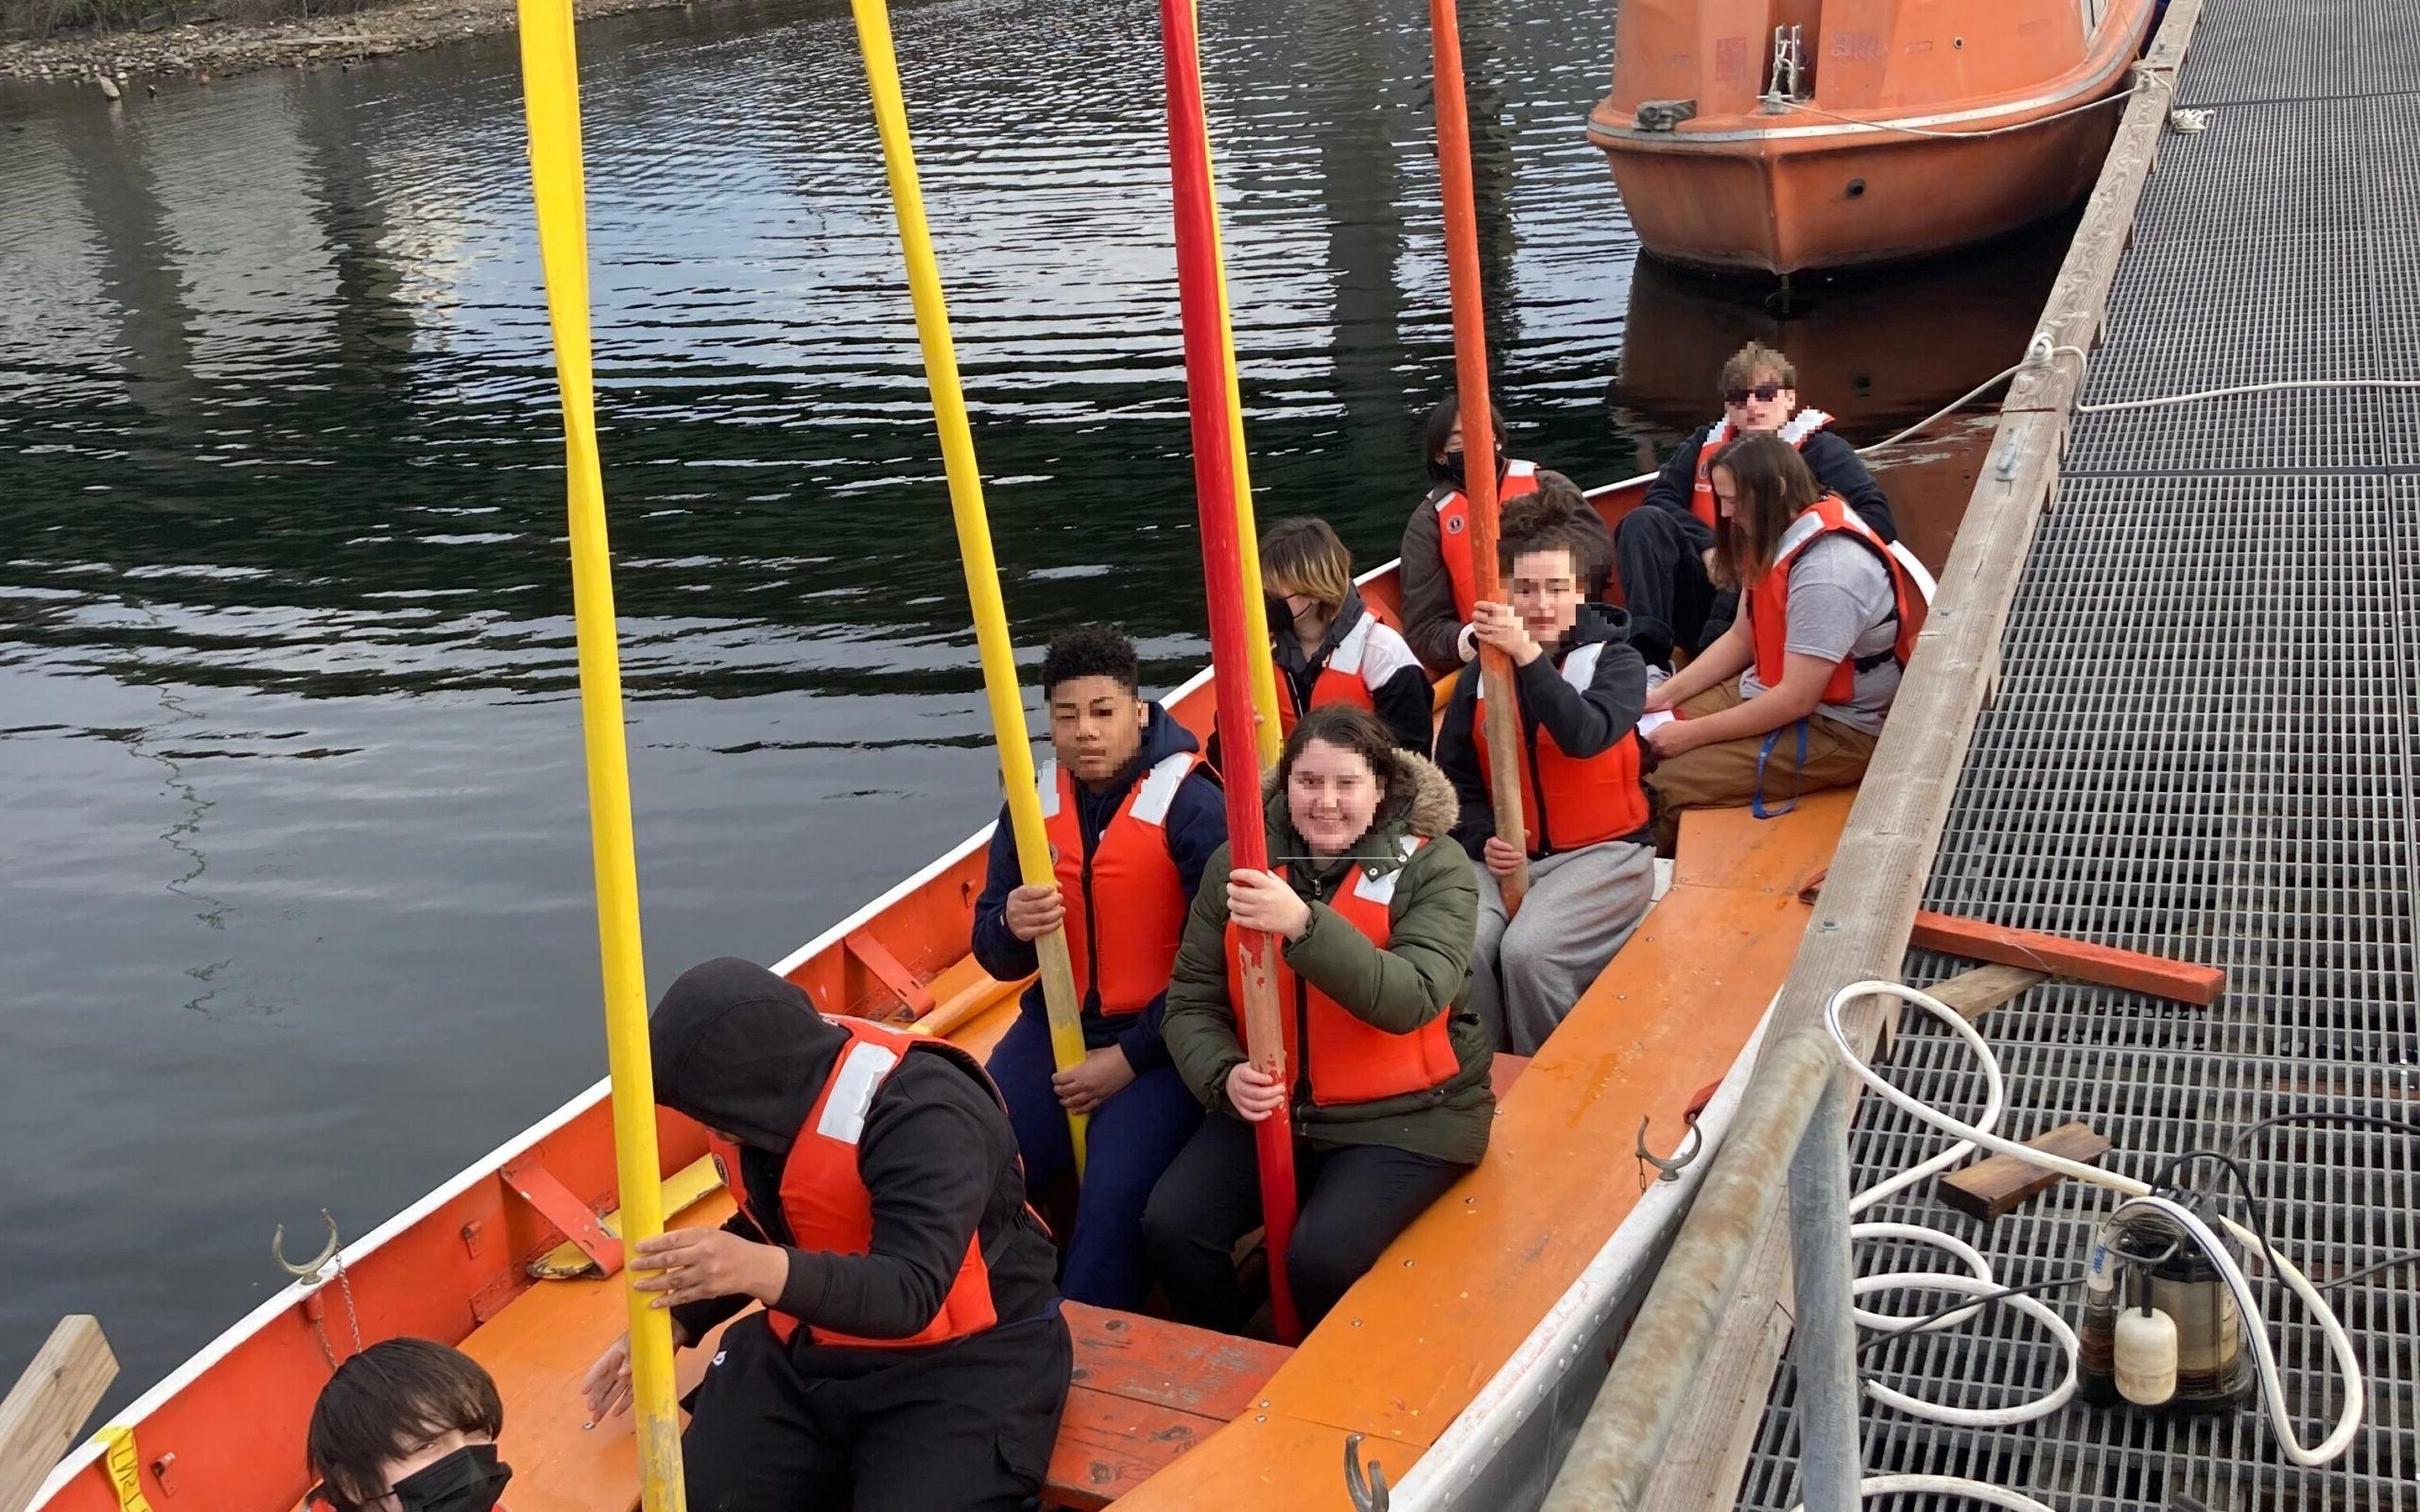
1785 136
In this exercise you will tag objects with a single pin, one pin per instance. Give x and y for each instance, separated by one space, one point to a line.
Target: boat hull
1924 128
1768 209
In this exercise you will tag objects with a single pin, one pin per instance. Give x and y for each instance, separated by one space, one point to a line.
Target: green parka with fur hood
1423 971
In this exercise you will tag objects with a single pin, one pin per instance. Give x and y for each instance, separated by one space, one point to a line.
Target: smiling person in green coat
1375 922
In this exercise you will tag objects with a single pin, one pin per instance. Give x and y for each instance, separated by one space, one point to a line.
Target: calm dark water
295 910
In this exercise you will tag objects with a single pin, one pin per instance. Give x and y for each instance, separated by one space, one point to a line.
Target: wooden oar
1208 398
550 85
991 642
49 1402
1501 725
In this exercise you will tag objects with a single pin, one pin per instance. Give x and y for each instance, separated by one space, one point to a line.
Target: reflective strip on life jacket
1571 800
1767 601
1454 531
1348 1058
1797 431
824 1199
1131 867
1364 660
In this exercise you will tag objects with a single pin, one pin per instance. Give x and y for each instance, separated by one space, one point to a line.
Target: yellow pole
550 84
974 533
1262 668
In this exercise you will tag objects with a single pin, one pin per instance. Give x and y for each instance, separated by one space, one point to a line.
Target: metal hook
311 1271
1369 1492
1681 1157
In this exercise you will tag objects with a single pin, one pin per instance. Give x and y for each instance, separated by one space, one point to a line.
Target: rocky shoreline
117 61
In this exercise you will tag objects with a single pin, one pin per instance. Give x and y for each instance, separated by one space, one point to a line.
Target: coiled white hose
1972 1137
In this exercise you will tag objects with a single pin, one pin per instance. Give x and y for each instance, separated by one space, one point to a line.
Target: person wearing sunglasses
1661 551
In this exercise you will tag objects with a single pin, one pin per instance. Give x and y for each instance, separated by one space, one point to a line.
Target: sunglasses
1762 393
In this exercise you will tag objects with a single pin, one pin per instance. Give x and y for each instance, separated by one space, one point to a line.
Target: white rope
2281 386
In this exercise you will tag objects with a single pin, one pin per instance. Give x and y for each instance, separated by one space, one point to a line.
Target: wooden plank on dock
2000 1183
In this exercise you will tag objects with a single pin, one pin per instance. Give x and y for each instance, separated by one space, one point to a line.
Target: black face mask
1281 615
468 1480
1454 468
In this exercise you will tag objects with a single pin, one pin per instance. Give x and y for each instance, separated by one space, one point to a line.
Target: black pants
1659 559
966 1426
1355 1201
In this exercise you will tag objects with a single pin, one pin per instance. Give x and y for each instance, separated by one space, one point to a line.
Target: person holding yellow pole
1132 818
910 1354
550 85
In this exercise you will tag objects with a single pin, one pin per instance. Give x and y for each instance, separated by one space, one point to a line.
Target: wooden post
1501 725
46 1408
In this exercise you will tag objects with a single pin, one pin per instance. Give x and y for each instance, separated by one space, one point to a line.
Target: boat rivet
1260 1419
1957 42
1826 927
1857 189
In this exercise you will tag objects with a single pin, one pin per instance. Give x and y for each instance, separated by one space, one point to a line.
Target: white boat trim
1530 1372
134 1415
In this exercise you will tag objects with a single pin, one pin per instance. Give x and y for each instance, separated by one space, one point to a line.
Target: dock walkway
2206 744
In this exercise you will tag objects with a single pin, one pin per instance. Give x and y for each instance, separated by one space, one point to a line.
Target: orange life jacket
1348 1058
1571 801
1767 601
1454 531
824 1200
1364 658
1126 964
1796 431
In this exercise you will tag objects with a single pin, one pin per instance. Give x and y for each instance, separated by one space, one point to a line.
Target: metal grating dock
2206 744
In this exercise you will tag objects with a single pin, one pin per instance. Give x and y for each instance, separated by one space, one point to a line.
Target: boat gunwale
2034 109
189 1371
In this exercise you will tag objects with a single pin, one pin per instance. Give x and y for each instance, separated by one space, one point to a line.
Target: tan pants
1724 774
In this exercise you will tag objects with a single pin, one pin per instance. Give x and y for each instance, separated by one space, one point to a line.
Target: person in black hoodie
1661 549
910 1354
1581 687
1132 817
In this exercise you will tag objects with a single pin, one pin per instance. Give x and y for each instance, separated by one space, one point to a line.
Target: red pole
1213 484
1479 427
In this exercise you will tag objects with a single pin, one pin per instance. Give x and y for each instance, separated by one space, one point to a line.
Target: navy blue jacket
1197 825
1832 460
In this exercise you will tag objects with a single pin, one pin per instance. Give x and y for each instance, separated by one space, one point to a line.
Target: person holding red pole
1376 911
1579 688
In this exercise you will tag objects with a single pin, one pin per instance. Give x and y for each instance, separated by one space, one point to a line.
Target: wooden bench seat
1145 1392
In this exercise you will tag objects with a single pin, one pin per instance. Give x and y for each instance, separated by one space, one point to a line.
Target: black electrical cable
2411 1257
2370 1121
2166 1182
1987 1299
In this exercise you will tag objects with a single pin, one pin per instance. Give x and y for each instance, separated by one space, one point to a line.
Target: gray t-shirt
1840 605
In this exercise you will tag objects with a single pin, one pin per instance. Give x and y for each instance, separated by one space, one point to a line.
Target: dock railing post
1825 1350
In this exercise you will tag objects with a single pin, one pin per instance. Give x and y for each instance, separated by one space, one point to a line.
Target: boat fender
1662 115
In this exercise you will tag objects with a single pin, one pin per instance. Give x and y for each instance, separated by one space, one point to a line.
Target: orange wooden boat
1784 136
1464 1360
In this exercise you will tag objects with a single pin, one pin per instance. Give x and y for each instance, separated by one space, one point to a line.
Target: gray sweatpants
1581 905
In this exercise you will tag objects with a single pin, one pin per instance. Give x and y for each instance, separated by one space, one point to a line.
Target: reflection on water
296 912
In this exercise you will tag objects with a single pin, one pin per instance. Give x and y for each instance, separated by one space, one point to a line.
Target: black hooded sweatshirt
1583 724
744 1052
